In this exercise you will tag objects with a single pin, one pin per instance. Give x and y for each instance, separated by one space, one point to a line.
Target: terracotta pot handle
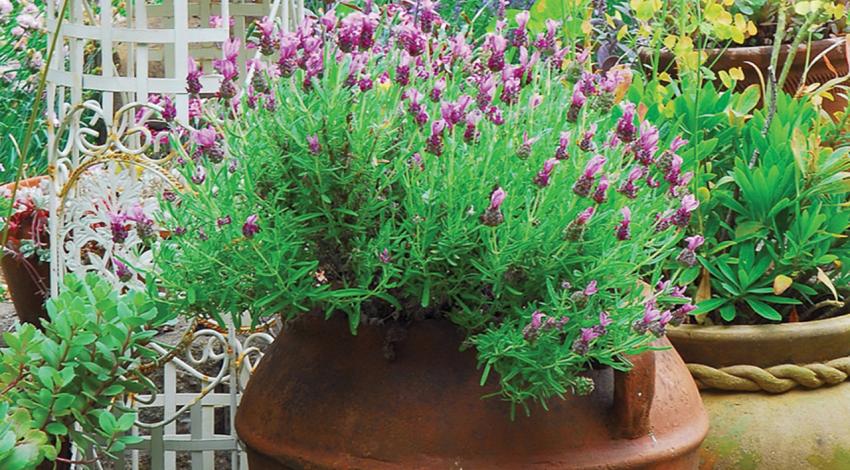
633 394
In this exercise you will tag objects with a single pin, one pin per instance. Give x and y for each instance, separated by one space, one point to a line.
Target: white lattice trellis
105 159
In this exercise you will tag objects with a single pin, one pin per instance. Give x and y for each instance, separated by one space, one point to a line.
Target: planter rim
763 345
804 329
756 50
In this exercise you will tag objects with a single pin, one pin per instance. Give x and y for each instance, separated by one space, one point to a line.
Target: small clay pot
759 57
801 428
324 399
28 279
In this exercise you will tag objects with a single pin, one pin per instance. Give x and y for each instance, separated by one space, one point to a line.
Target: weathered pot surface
322 398
28 280
759 57
799 429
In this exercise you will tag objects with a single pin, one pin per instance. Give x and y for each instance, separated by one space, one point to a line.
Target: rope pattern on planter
775 379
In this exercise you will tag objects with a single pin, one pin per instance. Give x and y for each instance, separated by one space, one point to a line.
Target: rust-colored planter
807 426
759 56
28 280
322 399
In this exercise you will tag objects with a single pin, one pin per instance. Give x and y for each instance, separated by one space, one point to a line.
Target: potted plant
440 221
26 256
60 384
768 342
797 47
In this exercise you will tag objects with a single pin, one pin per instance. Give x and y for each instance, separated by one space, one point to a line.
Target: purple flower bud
497 45
628 188
486 92
585 182
678 316
604 322
623 231
200 175
695 242
647 143
625 125
600 195
222 221
581 345
411 39
682 216
384 256
591 288
193 78
493 215
494 114
586 142
122 271
117 223
524 150
169 111
179 231
365 84
542 178
313 144
437 91
576 104
434 142
250 227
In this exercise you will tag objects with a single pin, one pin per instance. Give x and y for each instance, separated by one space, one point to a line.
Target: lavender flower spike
250 227
493 215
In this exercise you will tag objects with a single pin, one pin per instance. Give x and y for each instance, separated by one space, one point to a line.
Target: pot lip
754 50
27 182
839 325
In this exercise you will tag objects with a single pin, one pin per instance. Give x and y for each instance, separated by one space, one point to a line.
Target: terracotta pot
28 280
759 57
322 398
801 428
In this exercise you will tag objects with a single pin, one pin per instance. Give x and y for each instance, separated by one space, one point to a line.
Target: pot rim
796 330
754 50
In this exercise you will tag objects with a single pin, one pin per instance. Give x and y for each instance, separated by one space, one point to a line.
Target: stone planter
27 279
776 395
322 398
759 57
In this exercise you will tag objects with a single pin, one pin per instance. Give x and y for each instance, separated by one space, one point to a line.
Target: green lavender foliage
73 373
361 227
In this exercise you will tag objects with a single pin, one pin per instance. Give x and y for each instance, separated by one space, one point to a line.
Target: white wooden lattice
105 158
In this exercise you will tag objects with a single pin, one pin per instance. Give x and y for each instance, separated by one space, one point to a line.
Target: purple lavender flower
222 221
688 255
628 188
524 150
586 142
287 63
200 175
576 103
169 111
250 227
604 322
121 270
647 143
117 224
384 256
434 142
678 315
546 42
576 228
497 45
542 178
600 194
437 90
486 92
682 216
585 182
581 345
494 114
492 216
411 39
471 133
626 124
179 231
510 90
193 78
313 144
532 330
562 153
268 36
207 142
623 230
519 35
402 71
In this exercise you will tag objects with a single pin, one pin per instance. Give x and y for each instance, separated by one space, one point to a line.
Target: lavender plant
394 175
